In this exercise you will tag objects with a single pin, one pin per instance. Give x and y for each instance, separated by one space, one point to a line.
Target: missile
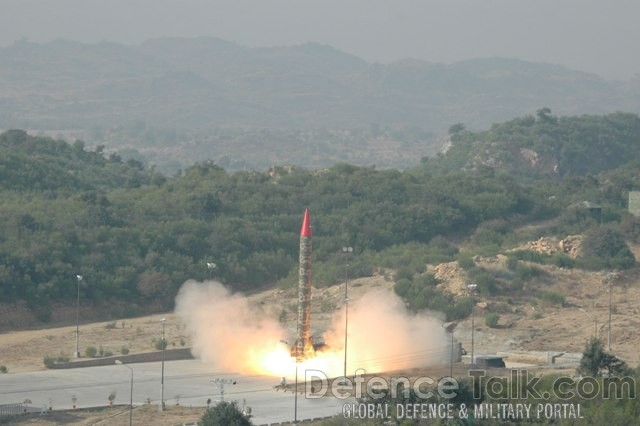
304 342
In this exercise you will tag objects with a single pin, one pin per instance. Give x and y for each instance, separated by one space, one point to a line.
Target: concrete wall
169 355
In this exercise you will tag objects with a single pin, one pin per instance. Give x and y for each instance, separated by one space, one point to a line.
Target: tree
224 414
608 246
594 359
456 129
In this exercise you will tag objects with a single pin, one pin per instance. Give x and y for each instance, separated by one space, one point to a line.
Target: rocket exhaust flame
232 335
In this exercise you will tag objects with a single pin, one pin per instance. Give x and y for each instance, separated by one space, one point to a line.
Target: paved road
189 381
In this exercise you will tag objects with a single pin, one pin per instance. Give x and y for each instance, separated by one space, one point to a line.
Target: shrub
91 351
49 361
223 414
525 272
160 344
466 262
491 319
529 256
630 227
124 350
551 297
487 284
326 305
512 263
110 326
3 369
608 245
561 260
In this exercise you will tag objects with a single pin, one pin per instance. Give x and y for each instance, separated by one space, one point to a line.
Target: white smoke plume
224 329
383 336
231 335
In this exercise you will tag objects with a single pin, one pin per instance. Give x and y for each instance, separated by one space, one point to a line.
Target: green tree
224 414
594 359
607 248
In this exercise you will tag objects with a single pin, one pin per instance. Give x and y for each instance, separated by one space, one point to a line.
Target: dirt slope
525 322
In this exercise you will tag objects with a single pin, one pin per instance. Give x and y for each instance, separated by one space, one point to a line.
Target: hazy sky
591 35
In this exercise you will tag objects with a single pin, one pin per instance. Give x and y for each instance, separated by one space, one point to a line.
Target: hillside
181 100
135 235
545 146
526 323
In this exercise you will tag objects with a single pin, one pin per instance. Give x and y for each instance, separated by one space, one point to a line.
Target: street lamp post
211 266
451 360
346 250
609 280
164 344
295 390
79 278
472 290
118 362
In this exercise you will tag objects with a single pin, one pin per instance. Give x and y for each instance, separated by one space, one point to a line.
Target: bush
160 344
561 260
91 351
529 256
49 361
608 245
466 262
224 414
124 350
630 227
3 369
552 297
487 284
491 319
525 272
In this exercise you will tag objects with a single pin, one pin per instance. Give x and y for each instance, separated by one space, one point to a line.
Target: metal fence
17 409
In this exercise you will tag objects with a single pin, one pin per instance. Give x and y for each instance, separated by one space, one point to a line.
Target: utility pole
472 290
79 278
164 344
346 251
609 334
609 280
451 362
220 383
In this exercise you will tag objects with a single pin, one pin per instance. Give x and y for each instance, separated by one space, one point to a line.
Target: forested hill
36 164
545 145
136 236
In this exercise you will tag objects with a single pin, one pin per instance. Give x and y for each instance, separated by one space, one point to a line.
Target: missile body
304 344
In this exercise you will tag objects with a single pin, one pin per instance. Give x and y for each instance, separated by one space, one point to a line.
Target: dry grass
25 350
112 416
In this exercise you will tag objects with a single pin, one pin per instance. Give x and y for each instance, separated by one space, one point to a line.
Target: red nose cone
305 231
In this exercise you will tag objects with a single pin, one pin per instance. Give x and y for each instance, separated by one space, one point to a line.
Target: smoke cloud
230 334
